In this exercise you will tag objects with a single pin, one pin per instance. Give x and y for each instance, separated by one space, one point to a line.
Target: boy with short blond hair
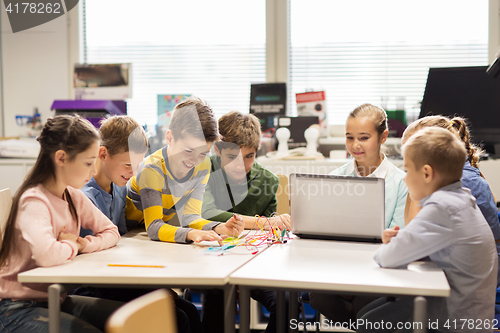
122 148
450 229
168 190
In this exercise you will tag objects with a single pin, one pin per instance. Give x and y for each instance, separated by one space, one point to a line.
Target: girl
471 177
366 131
43 227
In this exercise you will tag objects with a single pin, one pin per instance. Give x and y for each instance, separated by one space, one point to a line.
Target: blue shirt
480 190
113 206
453 232
395 189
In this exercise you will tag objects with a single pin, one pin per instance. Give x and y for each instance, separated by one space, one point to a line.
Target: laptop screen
337 207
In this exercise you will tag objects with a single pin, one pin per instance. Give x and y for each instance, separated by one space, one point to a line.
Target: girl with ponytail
43 230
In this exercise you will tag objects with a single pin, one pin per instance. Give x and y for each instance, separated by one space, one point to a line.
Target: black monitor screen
470 93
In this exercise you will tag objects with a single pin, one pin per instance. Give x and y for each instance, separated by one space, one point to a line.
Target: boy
123 146
168 190
450 229
238 184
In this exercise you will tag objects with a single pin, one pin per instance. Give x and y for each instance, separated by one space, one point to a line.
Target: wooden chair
152 313
5 204
283 195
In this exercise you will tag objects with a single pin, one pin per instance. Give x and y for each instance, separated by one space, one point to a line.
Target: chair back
283 196
152 313
5 204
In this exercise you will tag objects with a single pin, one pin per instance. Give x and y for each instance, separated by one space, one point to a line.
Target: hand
66 236
283 220
389 233
82 242
197 236
233 227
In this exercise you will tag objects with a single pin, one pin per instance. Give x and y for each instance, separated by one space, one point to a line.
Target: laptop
337 207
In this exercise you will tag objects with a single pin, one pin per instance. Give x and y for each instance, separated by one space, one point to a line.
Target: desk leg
244 301
293 308
420 314
280 312
55 291
229 304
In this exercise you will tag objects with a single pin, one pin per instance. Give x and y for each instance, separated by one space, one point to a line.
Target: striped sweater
169 207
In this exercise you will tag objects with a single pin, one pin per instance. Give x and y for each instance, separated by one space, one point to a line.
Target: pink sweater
40 219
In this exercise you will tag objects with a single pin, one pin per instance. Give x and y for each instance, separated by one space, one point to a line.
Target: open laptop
337 207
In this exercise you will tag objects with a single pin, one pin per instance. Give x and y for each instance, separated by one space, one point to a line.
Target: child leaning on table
471 176
43 227
450 229
167 192
366 131
122 148
238 184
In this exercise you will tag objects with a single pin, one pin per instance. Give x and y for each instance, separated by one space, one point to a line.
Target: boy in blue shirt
123 146
449 229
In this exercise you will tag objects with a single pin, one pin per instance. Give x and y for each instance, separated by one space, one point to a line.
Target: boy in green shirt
239 185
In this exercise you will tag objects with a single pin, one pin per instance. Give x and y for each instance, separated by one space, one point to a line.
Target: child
123 146
366 131
43 226
168 190
471 177
238 184
450 229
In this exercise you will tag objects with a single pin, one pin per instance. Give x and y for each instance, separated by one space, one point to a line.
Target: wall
35 66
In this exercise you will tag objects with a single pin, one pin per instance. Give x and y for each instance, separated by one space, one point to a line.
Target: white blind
365 51
213 49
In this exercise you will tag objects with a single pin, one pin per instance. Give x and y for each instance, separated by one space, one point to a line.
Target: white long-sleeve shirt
40 219
452 231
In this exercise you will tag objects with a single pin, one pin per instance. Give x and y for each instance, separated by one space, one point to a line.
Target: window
212 49
367 51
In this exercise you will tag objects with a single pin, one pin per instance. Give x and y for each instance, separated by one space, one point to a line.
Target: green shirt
222 198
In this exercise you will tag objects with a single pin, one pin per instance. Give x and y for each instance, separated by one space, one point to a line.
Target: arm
37 228
399 211
429 232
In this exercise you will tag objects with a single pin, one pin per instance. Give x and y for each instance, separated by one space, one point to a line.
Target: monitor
103 81
468 92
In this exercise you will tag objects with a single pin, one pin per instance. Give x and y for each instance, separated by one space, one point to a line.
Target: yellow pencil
148 266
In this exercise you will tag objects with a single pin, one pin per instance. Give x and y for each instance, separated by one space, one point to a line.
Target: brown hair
457 126
439 148
195 117
376 113
240 129
74 135
120 134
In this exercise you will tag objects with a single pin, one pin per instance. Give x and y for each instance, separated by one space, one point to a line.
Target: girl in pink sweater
43 230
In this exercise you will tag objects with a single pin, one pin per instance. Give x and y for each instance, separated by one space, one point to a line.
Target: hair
120 134
194 117
239 129
439 148
376 113
73 135
457 126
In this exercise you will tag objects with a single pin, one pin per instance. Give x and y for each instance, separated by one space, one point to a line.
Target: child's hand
233 227
69 237
197 236
82 242
389 233
281 221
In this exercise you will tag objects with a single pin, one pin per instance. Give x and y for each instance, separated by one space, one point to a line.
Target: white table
184 265
343 267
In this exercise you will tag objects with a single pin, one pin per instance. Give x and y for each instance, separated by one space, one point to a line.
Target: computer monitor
468 92
103 81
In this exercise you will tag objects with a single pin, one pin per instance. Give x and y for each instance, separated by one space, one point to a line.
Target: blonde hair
439 148
376 113
120 134
239 129
457 126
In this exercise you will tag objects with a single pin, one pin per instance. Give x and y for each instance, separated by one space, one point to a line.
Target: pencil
148 266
